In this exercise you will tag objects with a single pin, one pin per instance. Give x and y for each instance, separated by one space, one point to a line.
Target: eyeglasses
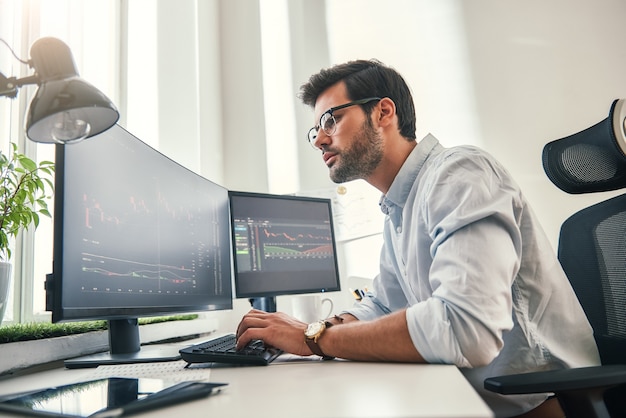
328 122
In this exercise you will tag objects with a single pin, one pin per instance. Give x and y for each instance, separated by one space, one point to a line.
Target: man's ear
387 112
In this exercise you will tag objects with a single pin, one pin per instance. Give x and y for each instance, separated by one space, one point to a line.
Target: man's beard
361 159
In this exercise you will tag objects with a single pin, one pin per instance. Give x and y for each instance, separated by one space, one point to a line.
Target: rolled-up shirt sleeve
469 215
463 321
468 218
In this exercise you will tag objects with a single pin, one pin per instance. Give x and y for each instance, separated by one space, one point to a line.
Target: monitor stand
267 303
125 348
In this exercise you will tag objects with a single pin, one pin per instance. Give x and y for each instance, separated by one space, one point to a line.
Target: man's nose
321 140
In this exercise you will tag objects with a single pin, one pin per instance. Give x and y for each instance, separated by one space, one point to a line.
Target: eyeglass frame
313 132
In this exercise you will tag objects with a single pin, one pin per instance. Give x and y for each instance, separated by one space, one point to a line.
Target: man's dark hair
366 78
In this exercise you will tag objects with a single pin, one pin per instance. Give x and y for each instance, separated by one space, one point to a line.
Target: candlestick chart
269 246
148 244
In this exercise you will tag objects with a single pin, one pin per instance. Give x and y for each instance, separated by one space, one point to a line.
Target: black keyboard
222 350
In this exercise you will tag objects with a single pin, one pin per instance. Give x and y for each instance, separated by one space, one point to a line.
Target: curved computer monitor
282 245
135 235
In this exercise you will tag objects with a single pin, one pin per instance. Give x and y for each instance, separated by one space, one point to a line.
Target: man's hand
275 329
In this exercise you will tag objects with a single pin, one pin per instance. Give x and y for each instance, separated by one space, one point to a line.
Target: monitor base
147 354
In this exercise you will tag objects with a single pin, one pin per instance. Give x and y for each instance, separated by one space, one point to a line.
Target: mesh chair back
592 250
592 244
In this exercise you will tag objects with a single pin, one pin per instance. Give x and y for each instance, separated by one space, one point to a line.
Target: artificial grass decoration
41 330
157 319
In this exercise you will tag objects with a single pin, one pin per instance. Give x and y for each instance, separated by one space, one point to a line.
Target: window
93 45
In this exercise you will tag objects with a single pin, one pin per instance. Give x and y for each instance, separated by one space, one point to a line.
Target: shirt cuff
432 335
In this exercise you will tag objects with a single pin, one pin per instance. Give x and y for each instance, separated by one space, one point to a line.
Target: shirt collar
392 203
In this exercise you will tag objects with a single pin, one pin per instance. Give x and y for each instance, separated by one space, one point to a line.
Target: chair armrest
558 380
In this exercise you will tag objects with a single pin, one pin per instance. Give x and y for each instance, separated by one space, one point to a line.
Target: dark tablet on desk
105 398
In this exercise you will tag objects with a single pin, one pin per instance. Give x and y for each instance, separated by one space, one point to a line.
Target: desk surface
309 388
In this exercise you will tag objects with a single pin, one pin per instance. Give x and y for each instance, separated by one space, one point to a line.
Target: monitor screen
282 244
135 234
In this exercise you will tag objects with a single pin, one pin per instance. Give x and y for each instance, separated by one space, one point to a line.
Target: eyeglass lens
327 123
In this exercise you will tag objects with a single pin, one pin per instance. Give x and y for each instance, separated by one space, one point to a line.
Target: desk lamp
65 108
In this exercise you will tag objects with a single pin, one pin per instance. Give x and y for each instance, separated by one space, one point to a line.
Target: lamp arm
9 85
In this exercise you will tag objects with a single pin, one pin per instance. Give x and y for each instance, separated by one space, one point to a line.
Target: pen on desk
357 294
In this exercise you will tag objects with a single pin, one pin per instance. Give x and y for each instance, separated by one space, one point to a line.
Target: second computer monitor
282 245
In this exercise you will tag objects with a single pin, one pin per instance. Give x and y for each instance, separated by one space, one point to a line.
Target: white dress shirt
464 252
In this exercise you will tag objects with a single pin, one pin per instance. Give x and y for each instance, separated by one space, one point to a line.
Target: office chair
592 251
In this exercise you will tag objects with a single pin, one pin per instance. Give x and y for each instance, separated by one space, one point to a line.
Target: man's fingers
252 320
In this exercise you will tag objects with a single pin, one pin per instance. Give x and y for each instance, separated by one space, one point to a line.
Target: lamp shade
68 110
65 108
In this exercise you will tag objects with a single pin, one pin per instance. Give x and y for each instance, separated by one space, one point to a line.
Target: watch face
313 329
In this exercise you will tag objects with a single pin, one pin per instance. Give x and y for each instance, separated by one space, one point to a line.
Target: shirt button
399 229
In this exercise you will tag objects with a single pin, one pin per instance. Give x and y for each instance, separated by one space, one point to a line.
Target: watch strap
314 346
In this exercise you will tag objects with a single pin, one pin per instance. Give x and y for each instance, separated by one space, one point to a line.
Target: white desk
309 389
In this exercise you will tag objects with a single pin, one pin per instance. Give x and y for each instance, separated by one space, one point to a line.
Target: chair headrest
593 160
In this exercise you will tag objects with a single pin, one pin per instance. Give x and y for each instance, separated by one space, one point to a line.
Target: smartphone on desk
105 398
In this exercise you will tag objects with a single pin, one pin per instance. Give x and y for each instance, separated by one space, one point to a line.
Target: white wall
542 71
507 76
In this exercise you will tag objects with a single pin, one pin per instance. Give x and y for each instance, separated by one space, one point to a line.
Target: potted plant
23 198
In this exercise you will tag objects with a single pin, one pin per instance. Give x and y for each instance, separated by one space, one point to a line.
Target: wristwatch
313 333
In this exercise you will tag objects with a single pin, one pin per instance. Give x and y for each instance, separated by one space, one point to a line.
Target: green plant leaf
24 187
27 163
